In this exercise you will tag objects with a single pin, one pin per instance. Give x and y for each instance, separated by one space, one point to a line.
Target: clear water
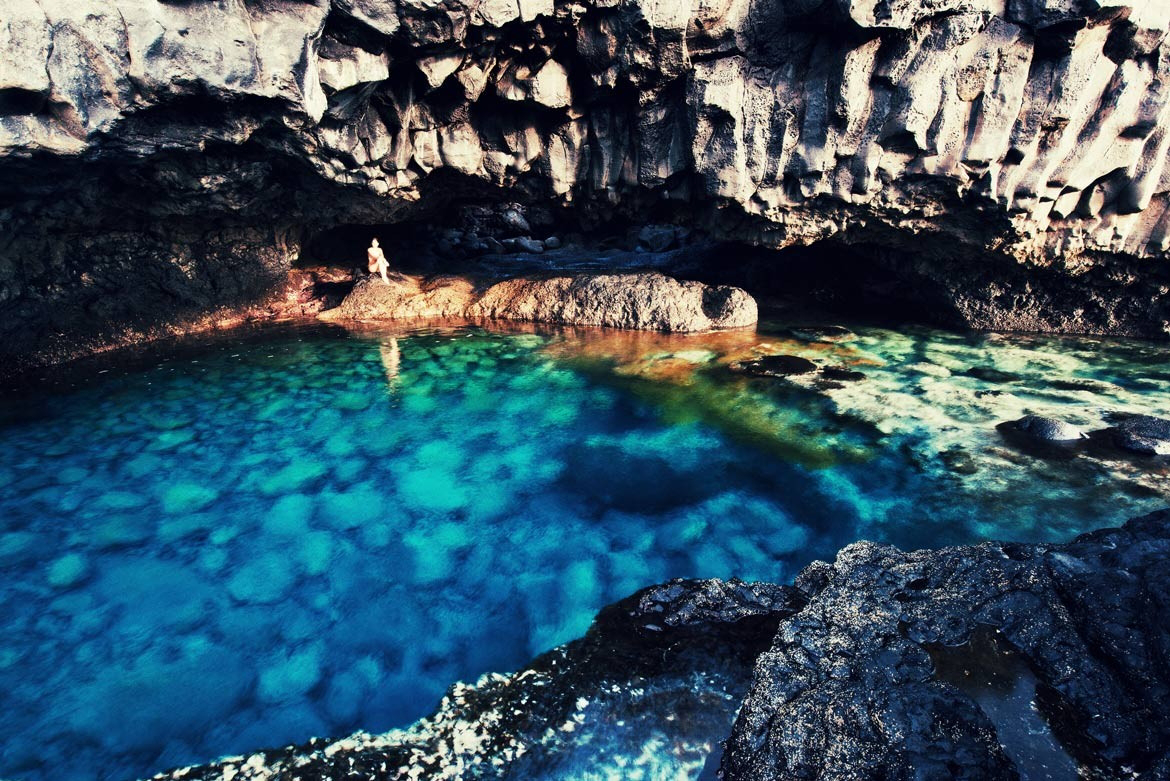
262 541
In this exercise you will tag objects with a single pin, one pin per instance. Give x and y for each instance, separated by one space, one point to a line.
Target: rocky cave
171 168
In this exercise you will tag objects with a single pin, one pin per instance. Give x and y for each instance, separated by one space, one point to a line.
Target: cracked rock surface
158 160
982 662
644 301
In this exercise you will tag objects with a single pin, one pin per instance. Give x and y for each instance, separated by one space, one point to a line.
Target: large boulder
982 662
643 301
1143 434
1045 429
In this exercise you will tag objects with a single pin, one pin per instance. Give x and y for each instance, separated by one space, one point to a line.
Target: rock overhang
1027 139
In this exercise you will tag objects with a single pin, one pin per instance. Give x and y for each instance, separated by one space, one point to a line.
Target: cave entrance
861 282
344 246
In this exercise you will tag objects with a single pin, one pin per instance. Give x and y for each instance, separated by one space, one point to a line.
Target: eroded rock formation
159 159
646 301
989 662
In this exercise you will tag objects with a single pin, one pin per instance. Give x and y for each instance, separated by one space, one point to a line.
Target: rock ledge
642 301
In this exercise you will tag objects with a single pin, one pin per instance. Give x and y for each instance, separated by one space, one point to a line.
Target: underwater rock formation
159 160
984 662
645 301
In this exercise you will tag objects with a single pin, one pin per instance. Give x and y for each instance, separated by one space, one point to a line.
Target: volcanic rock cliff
1005 158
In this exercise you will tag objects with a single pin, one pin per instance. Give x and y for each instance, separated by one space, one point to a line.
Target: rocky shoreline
988 662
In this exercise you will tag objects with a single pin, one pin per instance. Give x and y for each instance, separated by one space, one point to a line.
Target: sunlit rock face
646 302
161 159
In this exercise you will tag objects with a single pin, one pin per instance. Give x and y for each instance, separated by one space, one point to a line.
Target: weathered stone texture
644 301
1034 132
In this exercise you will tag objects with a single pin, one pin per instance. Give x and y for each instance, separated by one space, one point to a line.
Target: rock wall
156 157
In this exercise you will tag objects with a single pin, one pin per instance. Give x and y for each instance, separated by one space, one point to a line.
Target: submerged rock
68 571
1143 434
980 662
992 374
644 301
842 374
1049 429
774 366
822 333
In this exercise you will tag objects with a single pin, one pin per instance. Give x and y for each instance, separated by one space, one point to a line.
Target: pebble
17 548
350 509
263 580
68 571
353 402
174 528
183 498
433 488
121 531
170 440
120 500
314 551
289 516
291 676
295 477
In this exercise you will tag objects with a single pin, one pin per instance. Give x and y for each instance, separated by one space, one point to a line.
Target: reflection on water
391 357
308 532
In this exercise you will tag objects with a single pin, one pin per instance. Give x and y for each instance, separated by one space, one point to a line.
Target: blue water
258 541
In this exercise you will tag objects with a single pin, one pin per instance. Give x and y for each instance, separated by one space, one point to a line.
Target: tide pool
252 542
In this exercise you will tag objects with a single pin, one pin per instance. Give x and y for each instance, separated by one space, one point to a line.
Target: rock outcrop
987 662
1045 429
644 301
1143 434
160 159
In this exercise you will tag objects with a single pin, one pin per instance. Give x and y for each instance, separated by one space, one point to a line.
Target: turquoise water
258 541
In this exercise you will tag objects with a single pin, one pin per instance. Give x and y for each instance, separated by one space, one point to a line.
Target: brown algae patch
687 380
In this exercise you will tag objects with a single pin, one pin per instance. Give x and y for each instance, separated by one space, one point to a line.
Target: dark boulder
992 374
850 688
1049 429
842 374
1143 434
657 238
774 366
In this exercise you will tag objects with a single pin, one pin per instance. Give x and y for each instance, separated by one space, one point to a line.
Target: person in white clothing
377 261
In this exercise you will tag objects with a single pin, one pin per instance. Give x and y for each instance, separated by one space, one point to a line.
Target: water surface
256 541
